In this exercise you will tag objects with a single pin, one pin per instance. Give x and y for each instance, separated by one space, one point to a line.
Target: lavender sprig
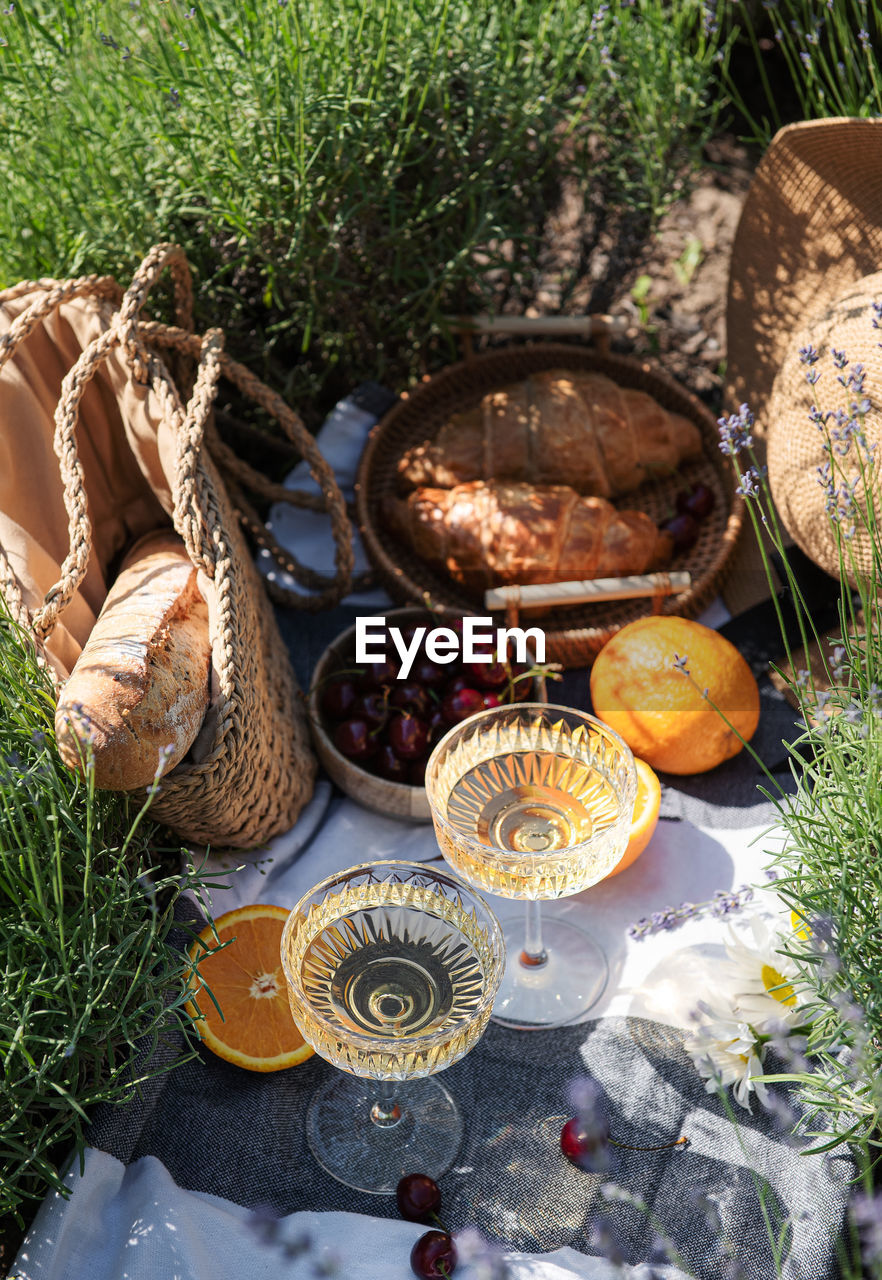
722 904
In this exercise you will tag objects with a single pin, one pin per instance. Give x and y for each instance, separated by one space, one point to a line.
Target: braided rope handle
238 476
190 424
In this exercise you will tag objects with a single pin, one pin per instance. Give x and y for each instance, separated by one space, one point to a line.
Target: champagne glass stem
386 1112
534 954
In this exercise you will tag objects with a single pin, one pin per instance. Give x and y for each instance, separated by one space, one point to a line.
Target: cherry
490 700
338 697
697 502
408 736
389 765
416 774
353 739
374 674
683 529
418 1197
433 1257
585 1146
486 675
436 724
410 695
428 673
456 684
460 705
373 707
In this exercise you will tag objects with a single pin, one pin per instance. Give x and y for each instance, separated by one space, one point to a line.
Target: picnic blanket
207 1171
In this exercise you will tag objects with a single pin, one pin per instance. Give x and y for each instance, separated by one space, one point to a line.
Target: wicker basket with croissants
520 487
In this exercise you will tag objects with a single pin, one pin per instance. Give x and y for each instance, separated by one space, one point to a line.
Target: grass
342 174
90 978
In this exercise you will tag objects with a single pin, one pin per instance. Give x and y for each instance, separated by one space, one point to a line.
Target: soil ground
671 285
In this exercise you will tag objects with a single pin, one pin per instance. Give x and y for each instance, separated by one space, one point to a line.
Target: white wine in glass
392 969
535 802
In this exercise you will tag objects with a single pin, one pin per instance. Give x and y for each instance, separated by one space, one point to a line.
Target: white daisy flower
725 1051
761 979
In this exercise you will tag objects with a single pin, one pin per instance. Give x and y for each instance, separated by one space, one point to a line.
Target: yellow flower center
777 985
799 925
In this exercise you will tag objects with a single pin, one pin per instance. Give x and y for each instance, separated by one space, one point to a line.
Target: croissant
487 535
556 427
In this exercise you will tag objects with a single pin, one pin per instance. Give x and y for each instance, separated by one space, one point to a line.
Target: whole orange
668 686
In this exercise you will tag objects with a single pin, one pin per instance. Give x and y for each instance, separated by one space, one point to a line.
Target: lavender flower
809 354
603 1238
486 1260
864 37
866 1210
748 488
722 904
735 431
680 663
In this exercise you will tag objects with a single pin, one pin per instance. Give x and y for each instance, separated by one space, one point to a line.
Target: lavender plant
829 868
827 49
89 979
342 173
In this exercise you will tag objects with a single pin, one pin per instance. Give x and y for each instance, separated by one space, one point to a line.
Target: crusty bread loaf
139 690
488 535
556 427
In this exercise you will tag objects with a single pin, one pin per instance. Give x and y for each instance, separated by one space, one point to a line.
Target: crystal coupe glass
392 969
534 801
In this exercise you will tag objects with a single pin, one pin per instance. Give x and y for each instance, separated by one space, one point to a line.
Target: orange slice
246 979
645 818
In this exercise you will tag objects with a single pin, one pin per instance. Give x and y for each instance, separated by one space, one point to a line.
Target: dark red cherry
408 695
353 739
416 774
433 1257
697 502
486 675
408 736
418 1197
428 673
338 697
388 765
437 725
684 530
456 683
585 1146
490 700
460 705
373 707
373 675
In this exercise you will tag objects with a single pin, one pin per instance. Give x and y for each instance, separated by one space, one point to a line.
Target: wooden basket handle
599 328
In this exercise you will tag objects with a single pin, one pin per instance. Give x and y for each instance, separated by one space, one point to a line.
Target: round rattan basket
575 634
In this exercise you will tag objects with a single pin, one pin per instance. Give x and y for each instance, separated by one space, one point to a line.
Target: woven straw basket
576 634
258 770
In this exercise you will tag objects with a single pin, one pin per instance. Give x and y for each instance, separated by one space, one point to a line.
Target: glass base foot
560 991
372 1157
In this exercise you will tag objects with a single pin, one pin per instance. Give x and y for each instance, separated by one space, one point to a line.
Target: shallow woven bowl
393 799
574 635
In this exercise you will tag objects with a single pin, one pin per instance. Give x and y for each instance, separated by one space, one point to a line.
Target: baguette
490 535
556 427
138 692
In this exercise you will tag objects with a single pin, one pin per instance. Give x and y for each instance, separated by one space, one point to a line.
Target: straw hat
804 273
